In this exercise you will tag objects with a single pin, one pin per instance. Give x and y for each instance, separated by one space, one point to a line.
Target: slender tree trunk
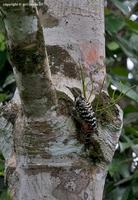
45 159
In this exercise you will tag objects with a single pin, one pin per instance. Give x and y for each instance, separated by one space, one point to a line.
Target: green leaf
116 194
135 148
114 23
130 109
125 89
119 71
112 46
134 43
121 6
113 168
118 168
135 184
2 42
127 195
131 130
131 118
124 146
5 195
2 38
133 25
2 173
129 47
3 97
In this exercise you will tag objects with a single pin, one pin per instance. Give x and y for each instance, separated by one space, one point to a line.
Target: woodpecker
83 108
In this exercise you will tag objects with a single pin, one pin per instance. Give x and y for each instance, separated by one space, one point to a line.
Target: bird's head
75 91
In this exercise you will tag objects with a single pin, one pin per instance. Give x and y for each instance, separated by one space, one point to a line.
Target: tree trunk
45 159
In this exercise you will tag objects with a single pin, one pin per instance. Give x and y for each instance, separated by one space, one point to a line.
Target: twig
83 81
99 94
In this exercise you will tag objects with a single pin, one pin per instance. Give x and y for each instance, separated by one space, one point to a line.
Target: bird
83 108
86 125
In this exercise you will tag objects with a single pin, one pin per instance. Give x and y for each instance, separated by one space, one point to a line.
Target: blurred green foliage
122 69
121 47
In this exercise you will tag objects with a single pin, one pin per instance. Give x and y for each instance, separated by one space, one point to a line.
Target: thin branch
116 100
100 94
82 80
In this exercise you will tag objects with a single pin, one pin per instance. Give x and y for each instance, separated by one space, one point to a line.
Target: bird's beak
68 87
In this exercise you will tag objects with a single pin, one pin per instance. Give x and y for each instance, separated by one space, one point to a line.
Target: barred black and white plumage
83 108
85 111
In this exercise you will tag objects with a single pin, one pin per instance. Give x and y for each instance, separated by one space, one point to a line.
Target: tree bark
45 159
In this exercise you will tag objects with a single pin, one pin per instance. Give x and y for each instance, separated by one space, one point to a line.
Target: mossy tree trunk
44 158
